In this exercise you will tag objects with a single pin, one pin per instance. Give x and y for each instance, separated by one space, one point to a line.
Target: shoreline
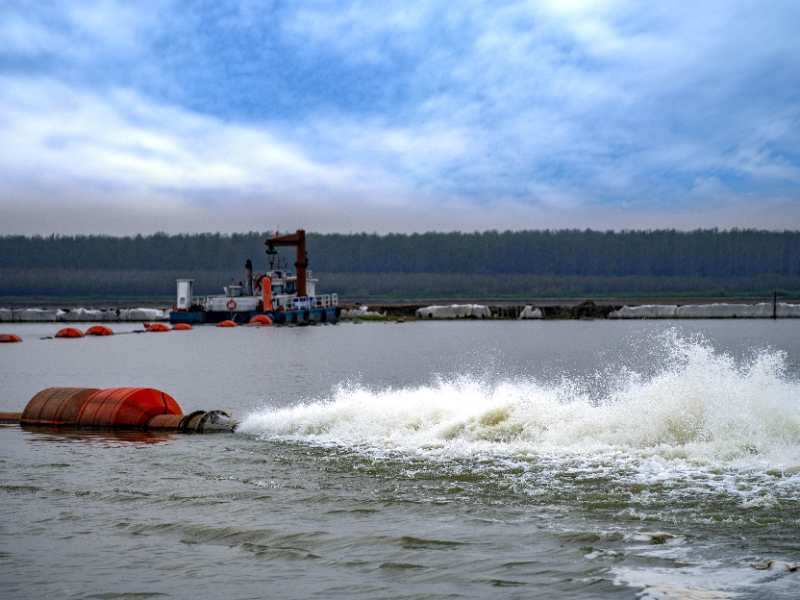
53 310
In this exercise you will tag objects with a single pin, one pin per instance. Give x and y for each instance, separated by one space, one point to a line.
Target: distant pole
775 305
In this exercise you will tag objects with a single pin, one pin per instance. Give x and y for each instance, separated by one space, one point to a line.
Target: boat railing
309 302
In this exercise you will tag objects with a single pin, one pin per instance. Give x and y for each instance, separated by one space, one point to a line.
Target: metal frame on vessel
283 297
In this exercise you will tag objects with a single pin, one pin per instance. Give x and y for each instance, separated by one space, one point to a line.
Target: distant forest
509 264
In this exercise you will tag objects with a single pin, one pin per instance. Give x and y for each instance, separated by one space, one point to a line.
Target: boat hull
328 314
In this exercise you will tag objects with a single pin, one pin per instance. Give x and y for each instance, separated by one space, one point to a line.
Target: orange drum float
116 408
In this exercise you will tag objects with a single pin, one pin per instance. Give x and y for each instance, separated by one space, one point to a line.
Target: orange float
157 327
55 407
9 338
260 320
226 323
99 330
181 327
92 407
116 408
69 332
125 407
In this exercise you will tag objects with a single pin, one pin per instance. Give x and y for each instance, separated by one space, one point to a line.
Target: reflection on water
96 437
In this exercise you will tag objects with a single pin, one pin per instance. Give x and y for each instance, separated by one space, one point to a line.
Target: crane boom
297 239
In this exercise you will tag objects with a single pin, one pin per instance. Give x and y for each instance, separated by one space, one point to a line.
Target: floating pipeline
9 418
116 408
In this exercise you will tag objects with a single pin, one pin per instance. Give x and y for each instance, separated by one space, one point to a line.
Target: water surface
417 460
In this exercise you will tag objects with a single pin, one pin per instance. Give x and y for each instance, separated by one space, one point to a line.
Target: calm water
422 460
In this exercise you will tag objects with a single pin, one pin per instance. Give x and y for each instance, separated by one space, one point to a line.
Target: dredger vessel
283 297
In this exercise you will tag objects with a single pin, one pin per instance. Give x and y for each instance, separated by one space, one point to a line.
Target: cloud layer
398 116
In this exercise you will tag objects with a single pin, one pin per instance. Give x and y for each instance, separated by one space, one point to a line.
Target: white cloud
28 38
526 113
122 139
361 30
75 31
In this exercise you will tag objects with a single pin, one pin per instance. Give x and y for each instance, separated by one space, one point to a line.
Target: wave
699 404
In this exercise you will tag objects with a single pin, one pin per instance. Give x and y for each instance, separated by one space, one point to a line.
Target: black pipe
248 277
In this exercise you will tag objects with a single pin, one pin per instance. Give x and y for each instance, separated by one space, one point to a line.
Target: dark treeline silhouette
700 253
110 284
563 262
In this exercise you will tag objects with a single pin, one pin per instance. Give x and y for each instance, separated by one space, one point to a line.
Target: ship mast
297 239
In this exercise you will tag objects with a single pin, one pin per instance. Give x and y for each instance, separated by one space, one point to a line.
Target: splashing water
701 405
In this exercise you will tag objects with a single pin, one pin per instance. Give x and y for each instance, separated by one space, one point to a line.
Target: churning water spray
700 404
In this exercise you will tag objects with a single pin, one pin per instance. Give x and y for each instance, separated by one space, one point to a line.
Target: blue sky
122 117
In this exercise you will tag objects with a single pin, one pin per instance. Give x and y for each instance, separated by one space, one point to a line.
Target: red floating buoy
261 320
69 332
181 327
9 338
226 323
157 327
99 330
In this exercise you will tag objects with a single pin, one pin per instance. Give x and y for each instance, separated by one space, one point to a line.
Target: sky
384 116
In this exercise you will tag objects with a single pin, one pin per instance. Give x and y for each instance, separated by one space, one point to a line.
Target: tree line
509 264
668 253
128 284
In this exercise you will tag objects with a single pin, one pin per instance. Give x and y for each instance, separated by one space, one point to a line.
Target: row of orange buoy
102 330
258 321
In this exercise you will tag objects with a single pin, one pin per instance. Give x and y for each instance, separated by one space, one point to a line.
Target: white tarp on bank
645 311
762 310
531 313
83 315
725 311
36 315
789 311
360 312
454 311
143 314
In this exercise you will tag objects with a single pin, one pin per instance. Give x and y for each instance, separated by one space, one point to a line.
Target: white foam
701 406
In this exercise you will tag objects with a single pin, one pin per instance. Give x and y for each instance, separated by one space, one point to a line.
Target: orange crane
297 239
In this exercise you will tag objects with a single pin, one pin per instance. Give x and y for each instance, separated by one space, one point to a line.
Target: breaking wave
700 404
